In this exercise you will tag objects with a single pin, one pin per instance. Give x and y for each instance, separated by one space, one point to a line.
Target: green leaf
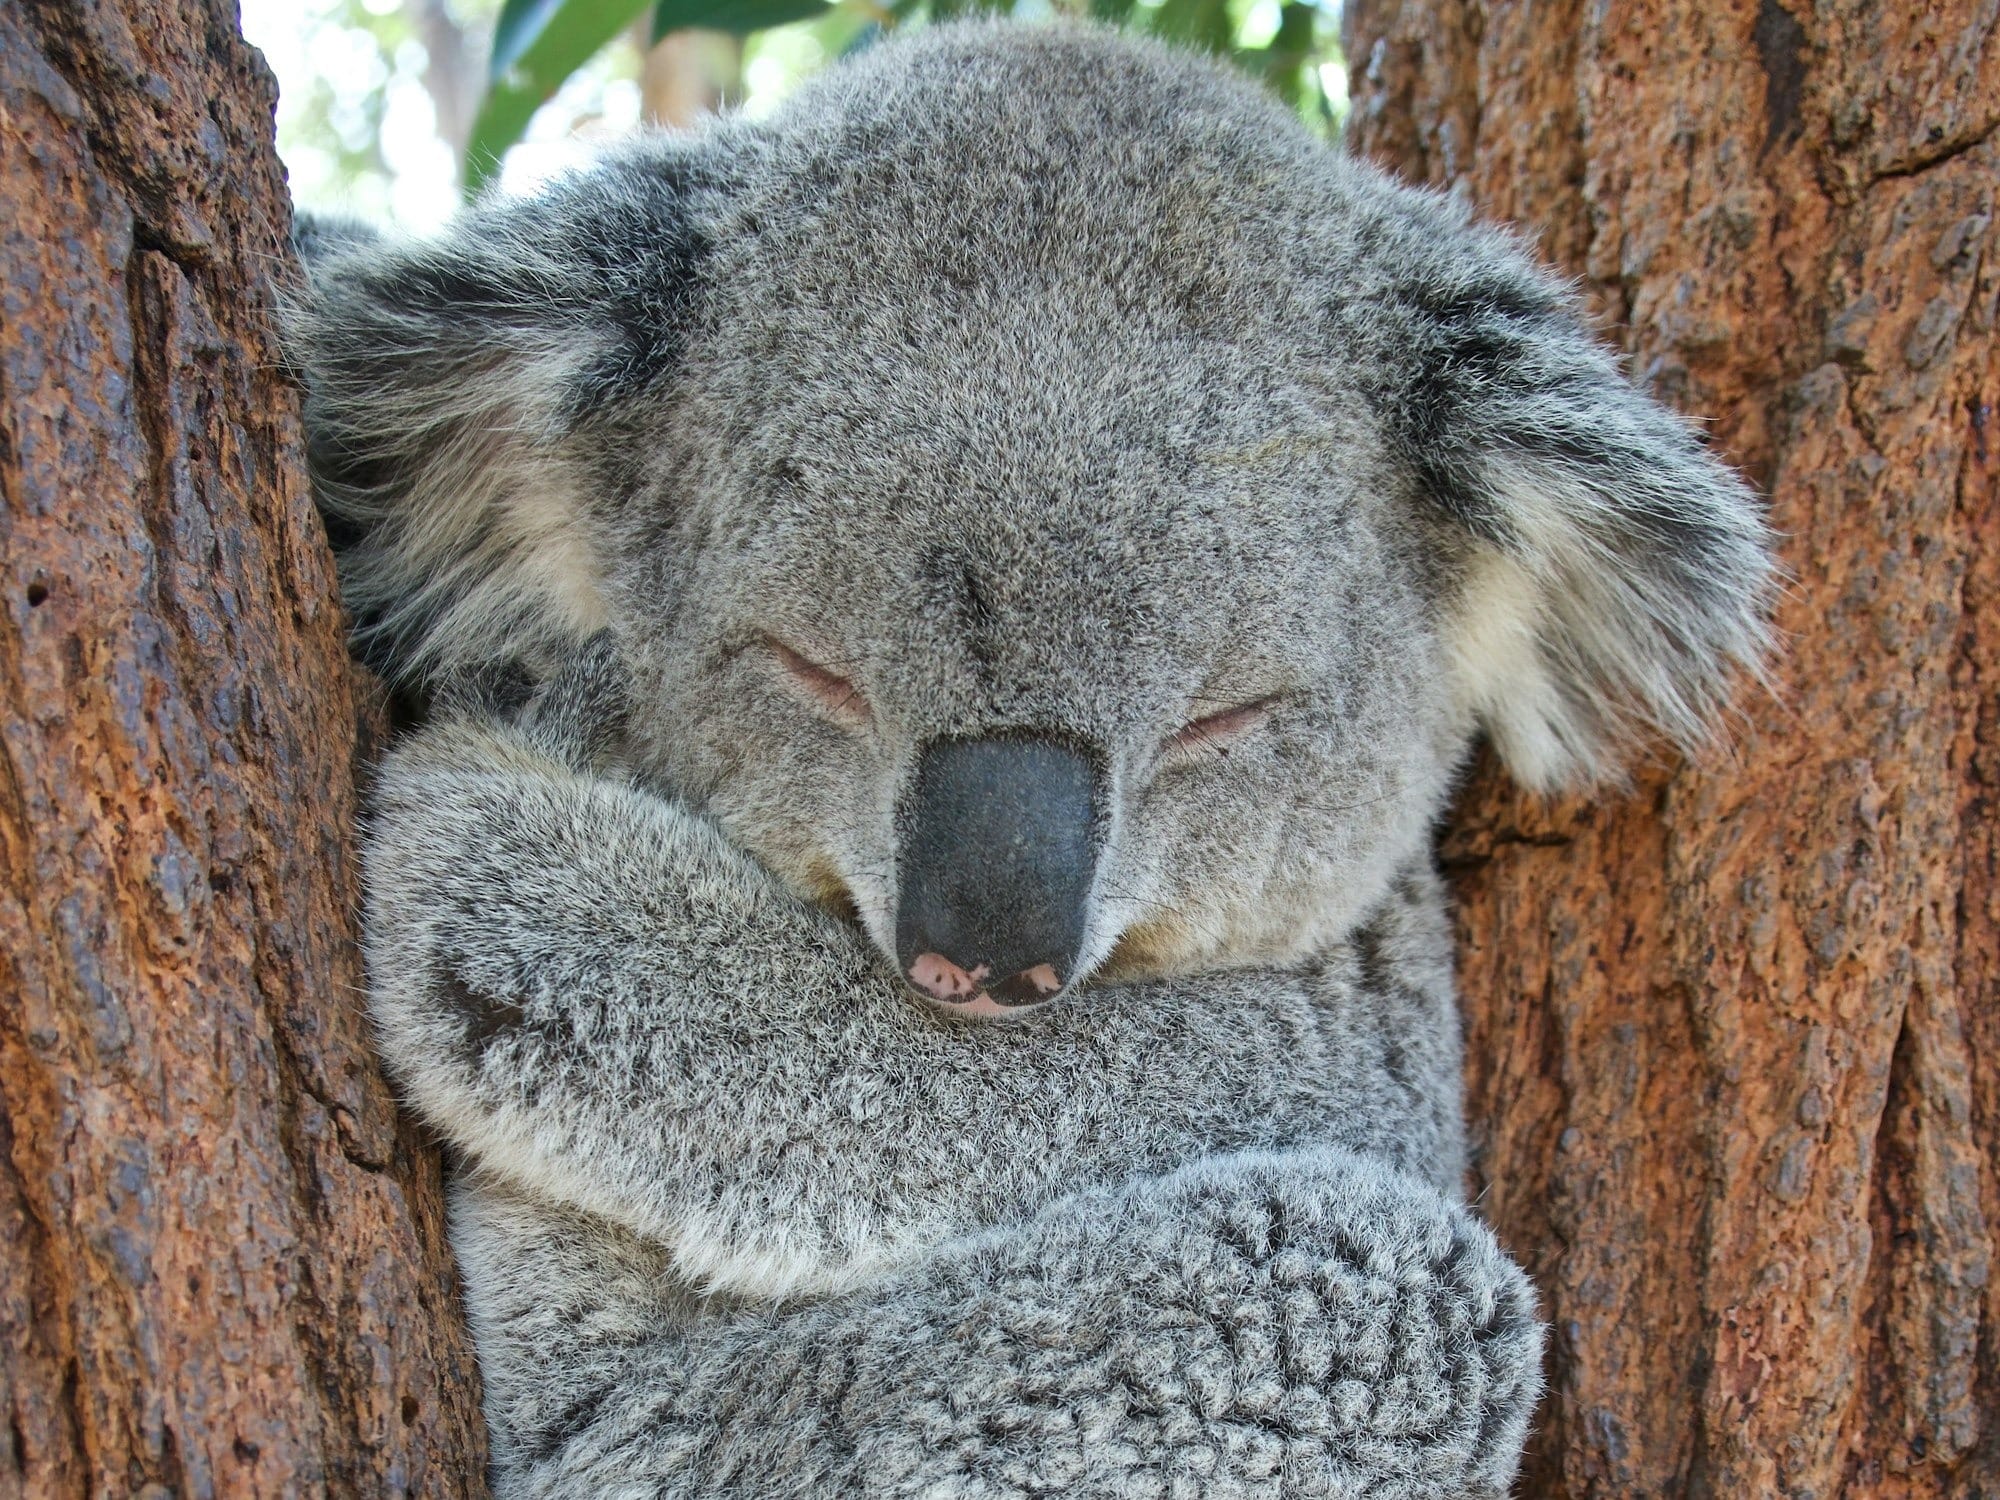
1283 61
737 17
865 36
1203 23
537 44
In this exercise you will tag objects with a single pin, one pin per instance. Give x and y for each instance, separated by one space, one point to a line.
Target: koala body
1027 523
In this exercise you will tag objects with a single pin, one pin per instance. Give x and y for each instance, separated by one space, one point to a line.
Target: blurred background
395 109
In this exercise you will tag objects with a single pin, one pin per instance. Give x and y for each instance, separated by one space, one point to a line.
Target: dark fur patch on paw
489 1019
570 1423
496 689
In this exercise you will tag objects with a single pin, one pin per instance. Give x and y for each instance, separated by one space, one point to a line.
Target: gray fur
1308 1323
649 971
1030 379
746 1220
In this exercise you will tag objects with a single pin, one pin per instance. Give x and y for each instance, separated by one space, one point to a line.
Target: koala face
1040 648
1051 506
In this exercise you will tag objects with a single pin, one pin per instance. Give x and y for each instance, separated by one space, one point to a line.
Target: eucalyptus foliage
538 44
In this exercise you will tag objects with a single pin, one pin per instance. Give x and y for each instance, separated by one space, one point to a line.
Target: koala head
1048 504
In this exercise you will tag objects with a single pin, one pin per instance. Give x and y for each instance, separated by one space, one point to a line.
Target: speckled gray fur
940 1259
1034 381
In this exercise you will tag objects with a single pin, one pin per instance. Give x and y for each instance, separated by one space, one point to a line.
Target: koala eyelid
840 698
1216 732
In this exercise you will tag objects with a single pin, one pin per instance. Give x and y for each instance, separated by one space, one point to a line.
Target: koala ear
446 381
1616 578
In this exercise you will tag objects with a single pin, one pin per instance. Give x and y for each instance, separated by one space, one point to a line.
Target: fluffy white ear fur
1617 578
1578 634
1492 646
440 380
444 382
487 538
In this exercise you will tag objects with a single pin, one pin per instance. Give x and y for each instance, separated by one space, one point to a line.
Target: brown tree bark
1734 1038
222 1268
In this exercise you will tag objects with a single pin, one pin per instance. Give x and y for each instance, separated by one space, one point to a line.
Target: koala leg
1280 1325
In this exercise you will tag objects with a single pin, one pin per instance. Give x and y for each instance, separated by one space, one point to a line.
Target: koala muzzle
998 850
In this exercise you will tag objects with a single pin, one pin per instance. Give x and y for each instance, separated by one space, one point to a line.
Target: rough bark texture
1735 1037
221 1258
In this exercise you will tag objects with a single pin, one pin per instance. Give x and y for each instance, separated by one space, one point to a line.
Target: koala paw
1309 1324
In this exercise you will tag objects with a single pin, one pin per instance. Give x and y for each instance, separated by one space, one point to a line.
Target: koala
948 620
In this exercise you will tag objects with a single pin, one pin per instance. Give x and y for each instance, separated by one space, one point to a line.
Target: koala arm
588 990
1304 1323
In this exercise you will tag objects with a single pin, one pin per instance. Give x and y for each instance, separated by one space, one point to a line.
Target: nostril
941 979
967 992
1029 987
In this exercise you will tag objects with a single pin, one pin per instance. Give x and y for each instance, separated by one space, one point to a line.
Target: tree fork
222 1259
1734 1039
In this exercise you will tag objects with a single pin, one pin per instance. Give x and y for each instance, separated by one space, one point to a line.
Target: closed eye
839 698
1213 734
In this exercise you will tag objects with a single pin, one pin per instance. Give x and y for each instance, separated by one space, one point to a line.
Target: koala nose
998 846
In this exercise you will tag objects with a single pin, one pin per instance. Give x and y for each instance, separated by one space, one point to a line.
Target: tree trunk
1734 1038
222 1267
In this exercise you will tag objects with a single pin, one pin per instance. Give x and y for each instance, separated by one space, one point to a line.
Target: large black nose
998 845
